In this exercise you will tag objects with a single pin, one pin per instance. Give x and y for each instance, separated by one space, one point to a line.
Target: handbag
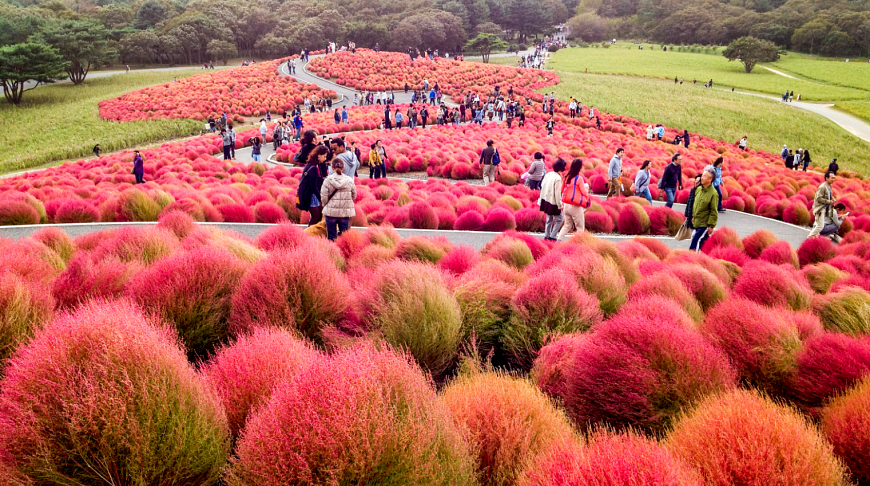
684 233
576 199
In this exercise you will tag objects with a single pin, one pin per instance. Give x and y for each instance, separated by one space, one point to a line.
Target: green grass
718 114
62 121
830 71
665 65
857 108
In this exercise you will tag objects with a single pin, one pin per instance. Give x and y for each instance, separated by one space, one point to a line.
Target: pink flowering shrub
816 250
423 249
731 438
459 260
846 424
553 361
774 286
780 253
828 365
364 416
755 243
105 382
670 287
76 211
633 220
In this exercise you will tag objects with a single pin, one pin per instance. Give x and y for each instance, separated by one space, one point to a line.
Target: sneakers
721 210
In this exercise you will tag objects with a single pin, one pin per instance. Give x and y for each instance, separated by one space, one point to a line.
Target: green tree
810 36
20 63
750 51
83 44
588 27
485 44
221 50
149 14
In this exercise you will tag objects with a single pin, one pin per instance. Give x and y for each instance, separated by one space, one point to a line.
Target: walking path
103 74
774 71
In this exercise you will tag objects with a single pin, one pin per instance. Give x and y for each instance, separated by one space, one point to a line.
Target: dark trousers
698 238
227 152
719 190
377 171
316 215
140 177
336 226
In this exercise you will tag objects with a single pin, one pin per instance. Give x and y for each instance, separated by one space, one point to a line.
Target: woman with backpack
306 145
575 199
313 175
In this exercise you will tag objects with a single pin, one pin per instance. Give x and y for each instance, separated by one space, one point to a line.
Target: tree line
827 27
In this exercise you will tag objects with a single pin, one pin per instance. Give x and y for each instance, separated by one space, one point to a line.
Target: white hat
785 146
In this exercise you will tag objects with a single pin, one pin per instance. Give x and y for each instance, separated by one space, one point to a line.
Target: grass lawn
857 108
627 59
62 121
719 114
831 71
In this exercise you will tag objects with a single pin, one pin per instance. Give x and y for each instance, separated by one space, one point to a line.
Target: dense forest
829 27
199 31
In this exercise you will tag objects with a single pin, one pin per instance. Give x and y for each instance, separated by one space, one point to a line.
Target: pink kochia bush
24 307
743 438
829 364
299 289
846 424
610 459
363 416
91 398
775 286
191 290
640 373
244 373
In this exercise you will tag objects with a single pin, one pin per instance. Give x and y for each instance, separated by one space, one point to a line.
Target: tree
20 63
811 34
750 50
588 27
485 44
83 44
489 28
149 14
221 50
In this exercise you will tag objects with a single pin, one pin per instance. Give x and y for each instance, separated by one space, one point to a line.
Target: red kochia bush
499 219
755 243
669 286
87 278
364 416
285 235
641 373
599 222
269 213
469 221
609 460
762 343
298 289
76 211
422 216
24 307
846 424
633 220
107 383
780 253
530 219
191 290
743 438
829 364
553 361
237 213
816 250
656 307
178 222
17 212
774 286
459 260
244 373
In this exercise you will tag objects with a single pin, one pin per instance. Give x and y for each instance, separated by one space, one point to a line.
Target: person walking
806 159
672 179
550 200
716 167
649 133
424 115
382 157
336 116
139 167
686 138
641 182
834 167
575 200
338 193
399 119
297 124
487 162
614 172
227 142
536 172
691 201
347 157
388 119
823 203
263 130
704 213
256 148
551 123
97 150
374 162
232 134
313 175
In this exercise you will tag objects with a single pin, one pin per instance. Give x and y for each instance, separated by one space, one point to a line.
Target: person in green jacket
704 210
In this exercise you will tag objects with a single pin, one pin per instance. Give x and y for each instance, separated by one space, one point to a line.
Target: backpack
576 198
496 158
297 157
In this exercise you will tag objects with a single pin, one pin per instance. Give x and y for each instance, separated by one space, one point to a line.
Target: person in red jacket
575 198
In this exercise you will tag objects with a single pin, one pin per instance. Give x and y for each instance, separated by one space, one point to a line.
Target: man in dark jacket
833 167
672 179
486 159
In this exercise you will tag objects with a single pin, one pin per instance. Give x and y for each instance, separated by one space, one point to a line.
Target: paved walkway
775 71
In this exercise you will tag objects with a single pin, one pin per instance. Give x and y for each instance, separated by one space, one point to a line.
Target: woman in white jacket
337 196
551 200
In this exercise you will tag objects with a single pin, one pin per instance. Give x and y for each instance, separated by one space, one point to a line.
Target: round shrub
24 308
774 286
499 219
707 289
554 360
57 241
422 216
137 205
797 213
669 286
822 276
177 222
364 416
755 243
599 222
595 274
657 307
846 310
633 220
285 236
384 236
269 213
512 251
76 211
135 245
17 213
530 220
459 260
298 289
86 278
640 373
414 310
723 236
107 383
485 308
508 422
371 256
546 306
422 249
236 213
244 373
610 459
780 253
816 250
828 365
469 221
846 424
733 438
191 290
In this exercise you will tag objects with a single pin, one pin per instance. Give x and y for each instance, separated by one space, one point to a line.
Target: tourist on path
487 157
536 172
716 167
704 213
551 200
232 134
823 203
833 167
806 159
138 167
338 193
672 179
313 175
227 143
614 172
256 149
576 199
686 138
263 130
641 182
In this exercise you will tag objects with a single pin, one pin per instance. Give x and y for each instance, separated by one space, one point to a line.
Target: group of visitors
795 161
365 97
564 198
788 96
655 133
828 212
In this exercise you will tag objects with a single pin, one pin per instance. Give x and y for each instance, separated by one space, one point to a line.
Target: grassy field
627 59
719 114
857 108
830 71
62 121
